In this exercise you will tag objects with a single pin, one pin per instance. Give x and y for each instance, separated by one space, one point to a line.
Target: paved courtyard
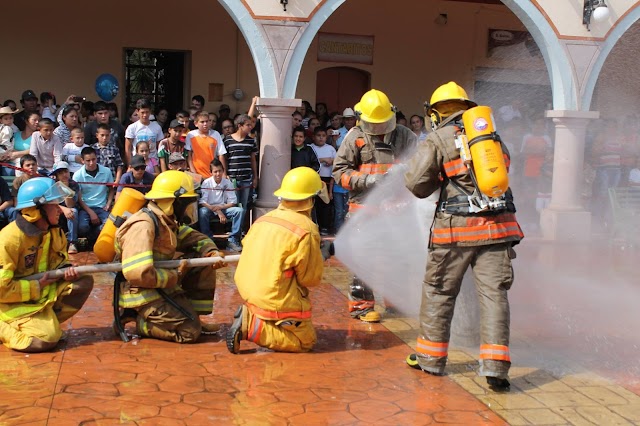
566 370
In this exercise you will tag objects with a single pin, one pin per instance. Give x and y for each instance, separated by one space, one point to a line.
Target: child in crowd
325 153
107 152
137 175
171 144
301 153
193 111
143 130
6 138
46 147
71 151
30 169
183 117
151 163
204 144
68 207
48 105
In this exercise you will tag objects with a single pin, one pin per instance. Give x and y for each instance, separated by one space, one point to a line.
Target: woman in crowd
70 120
322 114
162 118
22 140
417 126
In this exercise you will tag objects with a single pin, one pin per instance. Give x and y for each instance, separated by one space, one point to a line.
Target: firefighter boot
412 361
234 335
128 315
497 384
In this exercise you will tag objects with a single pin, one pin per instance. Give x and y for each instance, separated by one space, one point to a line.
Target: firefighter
462 234
367 152
31 310
282 258
165 303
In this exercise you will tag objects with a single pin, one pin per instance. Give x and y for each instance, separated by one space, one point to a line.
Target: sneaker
369 316
233 246
412 361
234 335
497 384
72 249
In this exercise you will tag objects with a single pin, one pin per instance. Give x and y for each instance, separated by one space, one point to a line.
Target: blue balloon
107 87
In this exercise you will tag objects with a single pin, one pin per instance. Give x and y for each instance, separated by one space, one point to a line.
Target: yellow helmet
299 184
375 107
446 100
171 184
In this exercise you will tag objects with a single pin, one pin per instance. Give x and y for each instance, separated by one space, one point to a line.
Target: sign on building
348 48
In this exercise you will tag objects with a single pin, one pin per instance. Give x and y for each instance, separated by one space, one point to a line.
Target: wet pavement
355 375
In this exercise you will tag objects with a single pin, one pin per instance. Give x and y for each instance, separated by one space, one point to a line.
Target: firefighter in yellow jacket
462 235
165 303
281 259
367 152
31 310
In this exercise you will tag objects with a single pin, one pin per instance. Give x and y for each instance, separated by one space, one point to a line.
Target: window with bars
145 76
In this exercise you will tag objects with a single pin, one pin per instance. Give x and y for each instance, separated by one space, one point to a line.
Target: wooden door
341 87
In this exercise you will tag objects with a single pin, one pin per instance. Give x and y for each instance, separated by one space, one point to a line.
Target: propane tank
129 202
486 153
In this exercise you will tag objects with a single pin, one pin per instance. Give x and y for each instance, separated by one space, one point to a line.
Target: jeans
341 206
235 214
72 225
86 228
244 196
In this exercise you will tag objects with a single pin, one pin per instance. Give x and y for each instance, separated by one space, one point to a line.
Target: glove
327 249
371 180
219 264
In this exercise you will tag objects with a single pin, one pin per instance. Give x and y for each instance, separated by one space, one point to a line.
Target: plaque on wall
345 48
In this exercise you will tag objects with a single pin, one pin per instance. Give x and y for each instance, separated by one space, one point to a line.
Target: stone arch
560 71
607 46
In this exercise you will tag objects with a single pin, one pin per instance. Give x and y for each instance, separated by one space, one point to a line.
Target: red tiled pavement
355 375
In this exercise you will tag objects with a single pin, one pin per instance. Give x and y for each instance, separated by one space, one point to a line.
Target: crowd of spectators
86 146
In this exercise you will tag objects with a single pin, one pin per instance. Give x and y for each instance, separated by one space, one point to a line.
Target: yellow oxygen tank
129 202
488 161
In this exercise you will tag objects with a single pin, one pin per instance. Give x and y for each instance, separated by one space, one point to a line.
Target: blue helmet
41 190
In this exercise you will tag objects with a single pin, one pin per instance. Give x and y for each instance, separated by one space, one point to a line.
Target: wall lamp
596 9
284 4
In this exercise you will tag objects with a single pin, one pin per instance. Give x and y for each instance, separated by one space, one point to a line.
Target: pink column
275 149
566 217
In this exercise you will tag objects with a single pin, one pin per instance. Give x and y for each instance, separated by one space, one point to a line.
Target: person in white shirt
219 198
326 154
143 130
72 150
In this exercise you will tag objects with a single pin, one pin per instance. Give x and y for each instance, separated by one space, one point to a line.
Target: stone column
566 218
275 149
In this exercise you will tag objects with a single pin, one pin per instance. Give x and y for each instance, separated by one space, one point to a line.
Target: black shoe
128 315
497 384
234 335
412 361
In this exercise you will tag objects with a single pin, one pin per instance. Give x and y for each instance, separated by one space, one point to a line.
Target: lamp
284 4
596 9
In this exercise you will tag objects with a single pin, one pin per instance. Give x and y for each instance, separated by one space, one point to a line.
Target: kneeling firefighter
281 259
366 154
31 310
474 224
165 303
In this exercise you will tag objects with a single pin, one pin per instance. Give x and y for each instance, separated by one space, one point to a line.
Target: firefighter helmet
41 190
299 184
376 114
171 184
446 100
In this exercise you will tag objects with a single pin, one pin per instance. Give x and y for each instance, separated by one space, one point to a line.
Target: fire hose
117 267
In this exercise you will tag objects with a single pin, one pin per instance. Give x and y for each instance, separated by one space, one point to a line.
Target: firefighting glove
219 264
327 249
371 180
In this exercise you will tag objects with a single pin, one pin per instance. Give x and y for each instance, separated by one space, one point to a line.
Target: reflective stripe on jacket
138 246
361 155
26 250
436 162
280 259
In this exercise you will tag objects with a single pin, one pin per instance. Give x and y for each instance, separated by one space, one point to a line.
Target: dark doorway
157 75
341 87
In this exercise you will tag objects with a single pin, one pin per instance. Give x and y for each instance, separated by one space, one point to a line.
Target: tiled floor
356 374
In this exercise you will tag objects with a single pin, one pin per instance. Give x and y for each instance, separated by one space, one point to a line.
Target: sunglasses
138 168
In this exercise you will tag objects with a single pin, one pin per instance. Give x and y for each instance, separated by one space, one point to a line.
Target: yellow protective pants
44 325
280 336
